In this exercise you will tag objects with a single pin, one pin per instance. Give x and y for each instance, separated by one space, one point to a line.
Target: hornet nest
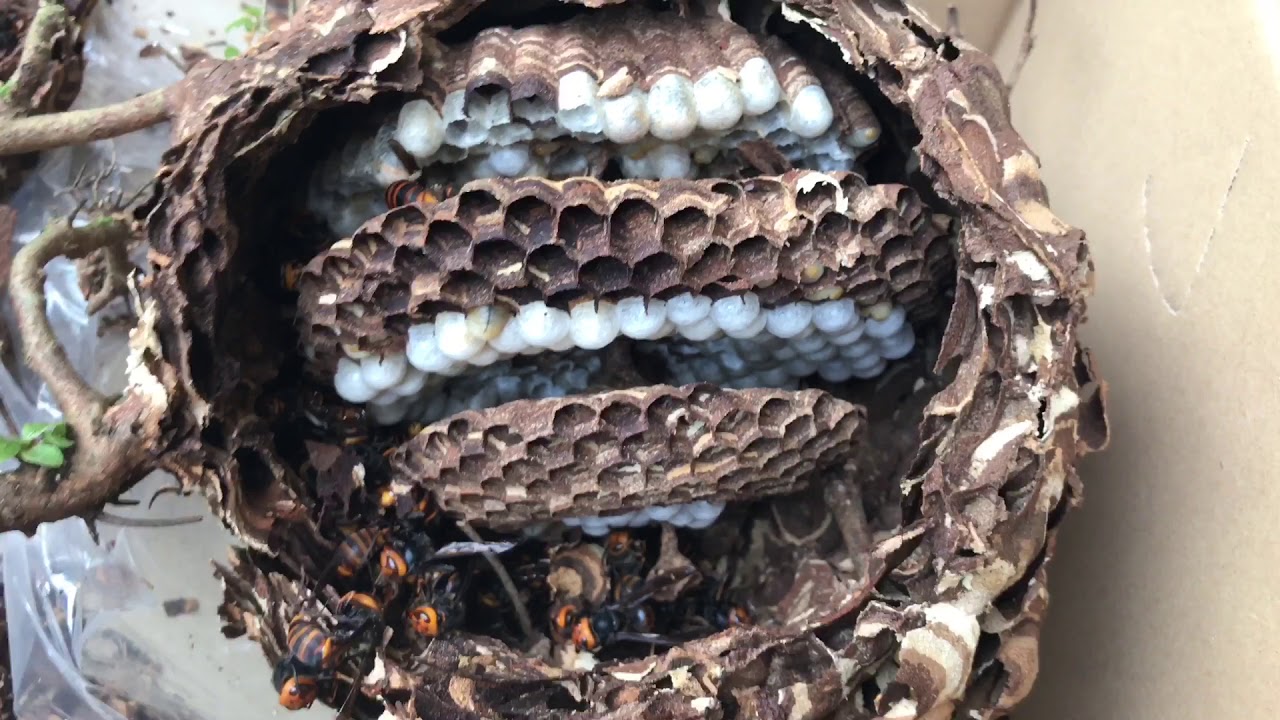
445 292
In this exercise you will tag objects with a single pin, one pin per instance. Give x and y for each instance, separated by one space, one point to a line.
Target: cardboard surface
980 21
1162 146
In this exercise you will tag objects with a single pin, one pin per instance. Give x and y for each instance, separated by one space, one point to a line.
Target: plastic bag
89 639
67 602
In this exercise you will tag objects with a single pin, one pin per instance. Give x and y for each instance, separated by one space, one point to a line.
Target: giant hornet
439 605
315 653
408 192
591 608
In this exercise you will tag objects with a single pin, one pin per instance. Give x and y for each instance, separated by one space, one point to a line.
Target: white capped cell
455 341
682 518
349 382
576 102
672 108
864 348
412 383
641 319
732 362
786 352
670 162
774 377
790 320
381 373
626 118
510 160
510 133
687 308
636 168
898 344
867 362
718 100
750 331
424 349
761 90
593 324
865 136
703 329
736 312
813 343
571 521
509 340
835 317
889 325
622 520
801 367
594 526
390 413
837 370
564 344
542 326
487 322
485 356
419 129
866 372
849 337
811 112
822 354
663 513
639 518
507 387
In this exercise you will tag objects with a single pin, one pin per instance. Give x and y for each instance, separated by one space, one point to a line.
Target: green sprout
252 21
39 444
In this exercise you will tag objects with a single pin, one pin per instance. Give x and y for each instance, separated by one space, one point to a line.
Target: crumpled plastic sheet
74 607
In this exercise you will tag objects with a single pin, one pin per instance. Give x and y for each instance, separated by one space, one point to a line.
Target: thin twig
522 613
113 519
42 132
1028 43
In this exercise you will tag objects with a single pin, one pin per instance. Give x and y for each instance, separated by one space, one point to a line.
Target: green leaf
245 23
9 448
35 431
252 11
57 440
5 91
230 52
43 455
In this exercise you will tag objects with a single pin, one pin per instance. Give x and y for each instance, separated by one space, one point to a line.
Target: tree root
110 441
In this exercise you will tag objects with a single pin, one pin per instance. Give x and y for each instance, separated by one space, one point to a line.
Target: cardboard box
1154 122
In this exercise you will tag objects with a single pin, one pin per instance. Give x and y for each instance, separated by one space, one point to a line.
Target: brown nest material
888 520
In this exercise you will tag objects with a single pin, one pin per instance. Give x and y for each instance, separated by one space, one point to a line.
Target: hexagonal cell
774 414
634 230
584 232
404 221
465 290
522 472
656 274
624 418
449 243
530 222
686 232
573 420
500 260
798 430
605 277
817 200
714 264
475 204
550 270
